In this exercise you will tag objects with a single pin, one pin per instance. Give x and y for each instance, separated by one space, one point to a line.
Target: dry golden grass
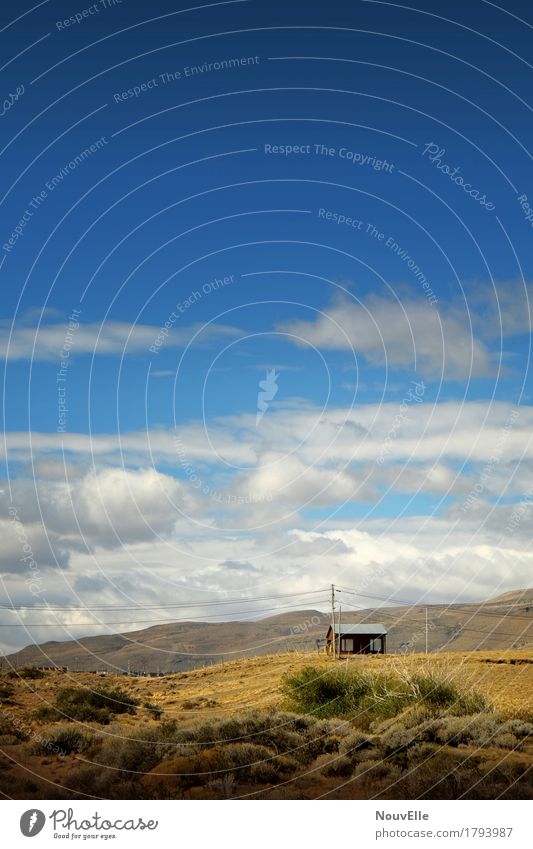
506 678
225 690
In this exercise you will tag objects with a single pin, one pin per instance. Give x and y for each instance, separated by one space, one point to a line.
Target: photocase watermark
354 157
421 278
11 99
88 12
492 462
185 73
74 163
61 375
526 208
519 511
65 819
65 824
25 729
33 579
306 625
414 395
435 155
184 306
32 822
401 253
40 197
340 219
268 389
415 638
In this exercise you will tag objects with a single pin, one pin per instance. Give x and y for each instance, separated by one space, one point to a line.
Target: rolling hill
500 623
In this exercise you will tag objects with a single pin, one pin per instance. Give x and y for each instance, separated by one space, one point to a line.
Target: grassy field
230 730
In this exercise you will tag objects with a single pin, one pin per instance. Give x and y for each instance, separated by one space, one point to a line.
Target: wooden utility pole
426 630
333 640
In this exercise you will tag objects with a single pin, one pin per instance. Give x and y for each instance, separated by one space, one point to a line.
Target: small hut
357 639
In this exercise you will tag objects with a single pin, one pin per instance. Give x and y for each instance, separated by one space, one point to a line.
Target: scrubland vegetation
352 730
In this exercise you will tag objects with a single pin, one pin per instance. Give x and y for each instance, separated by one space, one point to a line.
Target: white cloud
49 341
337 438
25 543
412 559
288 480
104 508
411 334
136 521
116 506
505 310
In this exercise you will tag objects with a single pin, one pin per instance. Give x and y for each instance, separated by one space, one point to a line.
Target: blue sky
335 196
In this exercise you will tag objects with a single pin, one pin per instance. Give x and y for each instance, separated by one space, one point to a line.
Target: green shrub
246 754
143 748
28 672
276 731
326 694
198 702
389 697
85 705
365 697
10 731
288 740
5 693
61 740
47 713
470 703
103 783
287 765
155 711
130 755
434 691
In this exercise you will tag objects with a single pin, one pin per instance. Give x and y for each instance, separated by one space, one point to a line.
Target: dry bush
11 731
371 771
479 730
84 704
222 788
518 727
355 742
340 767
102 783
398 739
264 772
61 740
28 673
6 692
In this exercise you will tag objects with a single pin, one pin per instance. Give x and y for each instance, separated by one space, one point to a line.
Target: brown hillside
499 624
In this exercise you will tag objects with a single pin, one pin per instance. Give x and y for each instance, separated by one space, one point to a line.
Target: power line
160 621
419 603
383 612
478 610
167 606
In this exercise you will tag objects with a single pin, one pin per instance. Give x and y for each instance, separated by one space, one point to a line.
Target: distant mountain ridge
499 623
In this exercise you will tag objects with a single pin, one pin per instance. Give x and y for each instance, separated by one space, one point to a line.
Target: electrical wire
166 606
160 621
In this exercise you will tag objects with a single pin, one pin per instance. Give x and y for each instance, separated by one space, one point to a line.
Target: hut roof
370 629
